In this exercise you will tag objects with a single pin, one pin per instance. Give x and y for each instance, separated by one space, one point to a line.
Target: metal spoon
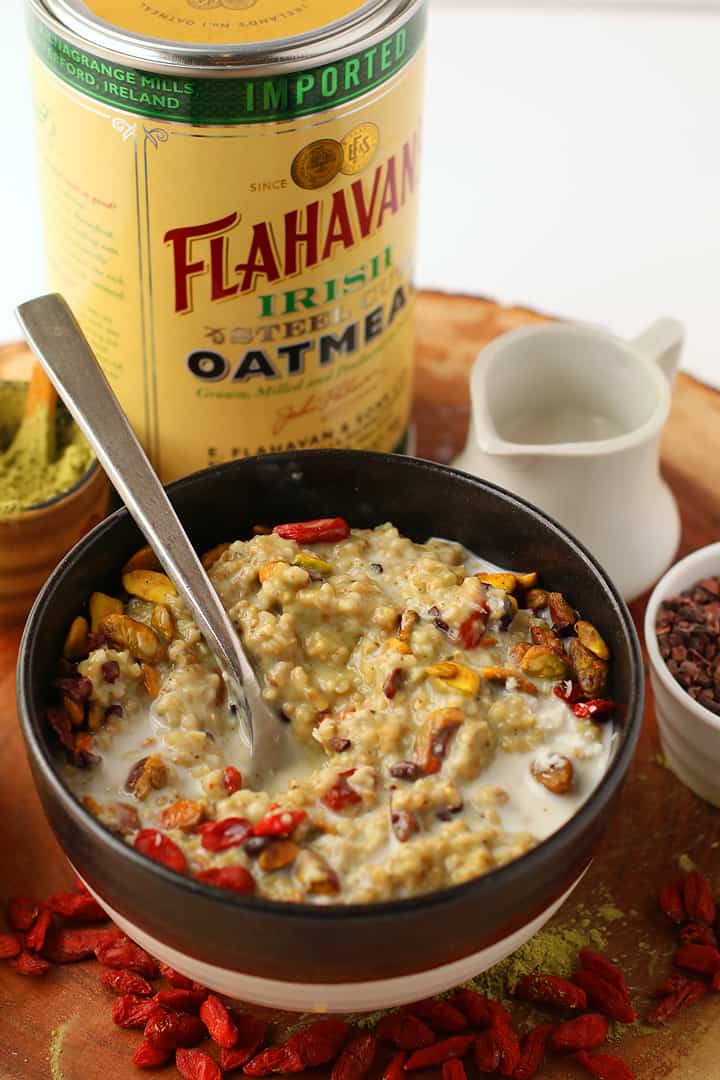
57 340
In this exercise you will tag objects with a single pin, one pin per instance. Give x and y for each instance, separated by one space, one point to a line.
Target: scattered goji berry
453 1070
595 961
672 984
10 946
319 1043
604 1066
550 990
35 938
69 946
568 690
221 835
170 1030
160 849
218 1021
703 958
472 629
442 1016
341 794
404 824
532 1052
276 1059
673 1003
698 898
454 1047
181 1000
597 709
79 906
148 1056
320 530
357 1057
237 878
671 901
282 823
395 1068
22 912
251 1036
195 1065
605 996
132 1011
695 934
393 683
180 982
583 1033
126 982
27 963
232 779
405 1031
126 954
481 1011
497 1050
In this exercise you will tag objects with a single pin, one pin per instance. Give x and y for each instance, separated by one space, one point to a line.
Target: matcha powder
26 478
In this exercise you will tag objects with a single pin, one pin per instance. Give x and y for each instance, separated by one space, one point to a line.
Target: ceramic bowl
345 957
690 733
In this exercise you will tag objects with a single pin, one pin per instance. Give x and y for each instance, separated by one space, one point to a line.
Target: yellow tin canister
230 192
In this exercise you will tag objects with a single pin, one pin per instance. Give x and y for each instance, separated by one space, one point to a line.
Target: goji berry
597 709
180 982
701 958
282 823
22 912
595 961
181 1000
218 1021
673 1003
472 629
69 946
221 835
453 1070
393 683
442 1016
569 691
605 996
251 1036
35 938
404 824
132 1011
10 946
232 779
698 898
170 1030
395 1068
126 982
550 990
148 1056
481 1011
454 1047
671 901
27 963
276 1059
319 1043
341 794
583 1033
195 1065
405 1031
236 878
357 1057
695 934
126 954
604 1066
320 530
497 1050
80 906
672 984
532 1052
160 849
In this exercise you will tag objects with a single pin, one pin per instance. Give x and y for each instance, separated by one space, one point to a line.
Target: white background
572 162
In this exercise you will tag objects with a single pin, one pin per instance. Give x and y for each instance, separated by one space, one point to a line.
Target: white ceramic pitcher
569 417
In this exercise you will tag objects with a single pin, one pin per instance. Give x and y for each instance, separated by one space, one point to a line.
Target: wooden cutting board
60 1026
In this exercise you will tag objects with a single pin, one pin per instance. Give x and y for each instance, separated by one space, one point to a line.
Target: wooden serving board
60 1027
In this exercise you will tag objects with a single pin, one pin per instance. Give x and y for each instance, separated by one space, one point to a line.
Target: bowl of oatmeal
458 687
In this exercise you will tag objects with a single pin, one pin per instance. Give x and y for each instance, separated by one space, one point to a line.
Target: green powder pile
26 477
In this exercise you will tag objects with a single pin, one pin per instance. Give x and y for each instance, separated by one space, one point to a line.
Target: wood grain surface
60 1026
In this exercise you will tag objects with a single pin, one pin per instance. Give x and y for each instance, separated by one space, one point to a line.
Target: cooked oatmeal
445 716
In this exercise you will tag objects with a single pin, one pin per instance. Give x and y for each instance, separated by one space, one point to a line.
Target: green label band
256 100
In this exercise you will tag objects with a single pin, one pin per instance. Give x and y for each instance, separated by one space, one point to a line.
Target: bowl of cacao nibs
211 882
682 633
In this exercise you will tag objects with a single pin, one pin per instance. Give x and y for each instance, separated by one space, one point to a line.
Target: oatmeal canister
230 192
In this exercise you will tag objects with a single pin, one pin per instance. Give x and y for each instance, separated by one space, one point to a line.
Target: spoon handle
63 350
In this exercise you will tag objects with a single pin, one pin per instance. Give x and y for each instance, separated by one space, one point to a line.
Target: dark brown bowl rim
500 878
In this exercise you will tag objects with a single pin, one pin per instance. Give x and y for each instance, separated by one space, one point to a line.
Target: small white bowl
690 733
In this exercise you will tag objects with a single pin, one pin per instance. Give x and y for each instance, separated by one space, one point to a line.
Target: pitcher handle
663 342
